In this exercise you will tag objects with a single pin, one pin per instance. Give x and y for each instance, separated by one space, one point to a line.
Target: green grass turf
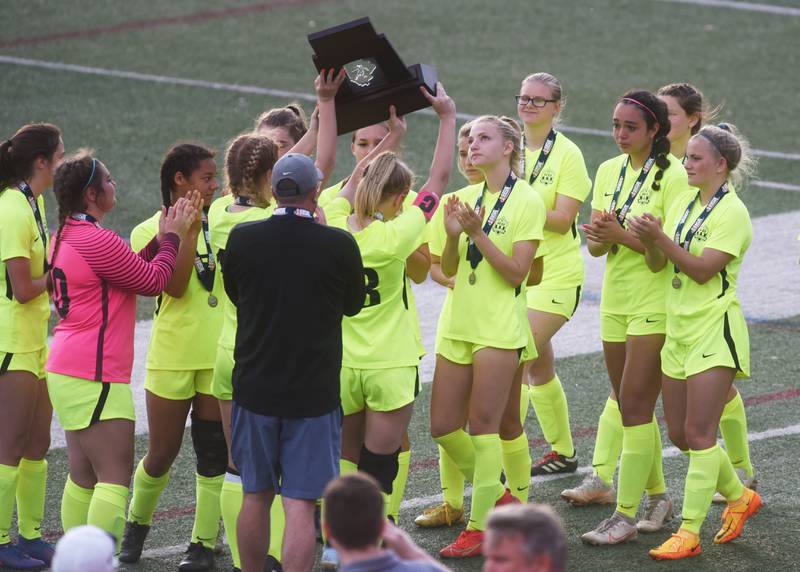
770 536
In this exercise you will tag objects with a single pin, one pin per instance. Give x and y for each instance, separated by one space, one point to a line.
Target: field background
111 75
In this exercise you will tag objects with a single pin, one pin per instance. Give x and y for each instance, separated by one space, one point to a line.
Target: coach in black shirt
291 280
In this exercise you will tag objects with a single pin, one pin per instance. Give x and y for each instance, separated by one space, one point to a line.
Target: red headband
643 106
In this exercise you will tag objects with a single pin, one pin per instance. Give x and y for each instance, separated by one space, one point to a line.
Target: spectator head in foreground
524 538
294 177
85 549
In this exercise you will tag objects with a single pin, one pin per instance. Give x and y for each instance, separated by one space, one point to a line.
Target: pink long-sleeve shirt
96 277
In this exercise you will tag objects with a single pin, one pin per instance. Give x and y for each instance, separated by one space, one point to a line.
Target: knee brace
382 467
210 448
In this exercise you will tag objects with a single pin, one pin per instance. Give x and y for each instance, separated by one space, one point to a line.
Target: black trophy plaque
376 76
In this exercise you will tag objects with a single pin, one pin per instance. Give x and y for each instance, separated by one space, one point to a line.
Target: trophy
376 76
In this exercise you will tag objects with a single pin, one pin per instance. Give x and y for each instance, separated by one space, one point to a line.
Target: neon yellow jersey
186 329
221 222
694 308
327 195
382 335
565 174
23 327
628 285
491 312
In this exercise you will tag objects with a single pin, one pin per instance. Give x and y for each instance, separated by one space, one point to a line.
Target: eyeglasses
523 100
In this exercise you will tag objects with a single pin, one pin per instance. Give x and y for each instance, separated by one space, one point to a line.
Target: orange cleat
682 544
468 545
736 514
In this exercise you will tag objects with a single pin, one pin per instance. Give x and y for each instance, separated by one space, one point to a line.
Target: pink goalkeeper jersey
96 277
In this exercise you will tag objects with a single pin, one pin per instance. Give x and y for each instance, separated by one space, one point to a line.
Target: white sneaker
749 483
329 559
591 491
614 530
657 512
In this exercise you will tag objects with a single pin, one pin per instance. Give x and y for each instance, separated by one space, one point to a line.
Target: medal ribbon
637 186
85 218
474 254
687 241
205 270
37 215
244 201
293 211
544 153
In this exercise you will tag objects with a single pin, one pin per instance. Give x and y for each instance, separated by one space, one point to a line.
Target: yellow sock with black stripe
656 485
399 485
608 443
277 526
146 493
486 486
74 504
517 466
107 509
634 467
207 509
524 402
8 491
30 497
733 425
230 502
550 404
701 482
452 480
461 449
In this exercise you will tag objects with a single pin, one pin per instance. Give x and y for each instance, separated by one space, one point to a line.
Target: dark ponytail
18 153
184 158
654 111
292 118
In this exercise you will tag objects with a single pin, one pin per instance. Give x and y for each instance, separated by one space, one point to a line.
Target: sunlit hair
385 175
509 130
728 143
552 82
691 101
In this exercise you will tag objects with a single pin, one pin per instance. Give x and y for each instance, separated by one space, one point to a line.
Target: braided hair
654 111
250 157
18 153
181 158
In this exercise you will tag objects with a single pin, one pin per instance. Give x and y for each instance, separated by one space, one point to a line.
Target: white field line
251 89
746 6
668 453
774 185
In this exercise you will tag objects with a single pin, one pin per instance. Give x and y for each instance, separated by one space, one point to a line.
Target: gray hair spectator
85 549
524 538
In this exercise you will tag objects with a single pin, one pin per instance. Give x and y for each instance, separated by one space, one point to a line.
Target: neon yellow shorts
32 362
617 327
562 302
462 352
529 352
727 344
80 403
178 385
378 389
222 384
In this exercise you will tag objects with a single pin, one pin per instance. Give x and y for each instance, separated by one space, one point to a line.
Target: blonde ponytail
385 175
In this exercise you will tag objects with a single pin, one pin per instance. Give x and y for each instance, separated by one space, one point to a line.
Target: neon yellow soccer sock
230 502
74 505
634 467
608 443
733 426
30 497
461 450
146 493
277 525
8 491
550 404
107 509
656 485
346 467
524 402
517 466
207 509
399 485
728 483
486 487
452 480
701 482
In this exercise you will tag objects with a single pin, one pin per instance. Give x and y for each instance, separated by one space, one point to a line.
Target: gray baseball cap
295 174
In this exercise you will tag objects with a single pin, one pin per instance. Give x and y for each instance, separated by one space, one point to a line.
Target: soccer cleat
133 542
13 558
553 464
657 512
591 491
440 515
507 498
748 481
272 564
682 544
468 545
198 558
614 530
736 514
37 548
329 559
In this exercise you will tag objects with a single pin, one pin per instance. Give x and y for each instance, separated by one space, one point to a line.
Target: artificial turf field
111 76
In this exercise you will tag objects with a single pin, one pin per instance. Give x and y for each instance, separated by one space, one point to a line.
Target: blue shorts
296 458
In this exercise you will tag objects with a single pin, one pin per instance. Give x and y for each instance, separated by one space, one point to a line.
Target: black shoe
198 558
133 542
272 564
553 464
